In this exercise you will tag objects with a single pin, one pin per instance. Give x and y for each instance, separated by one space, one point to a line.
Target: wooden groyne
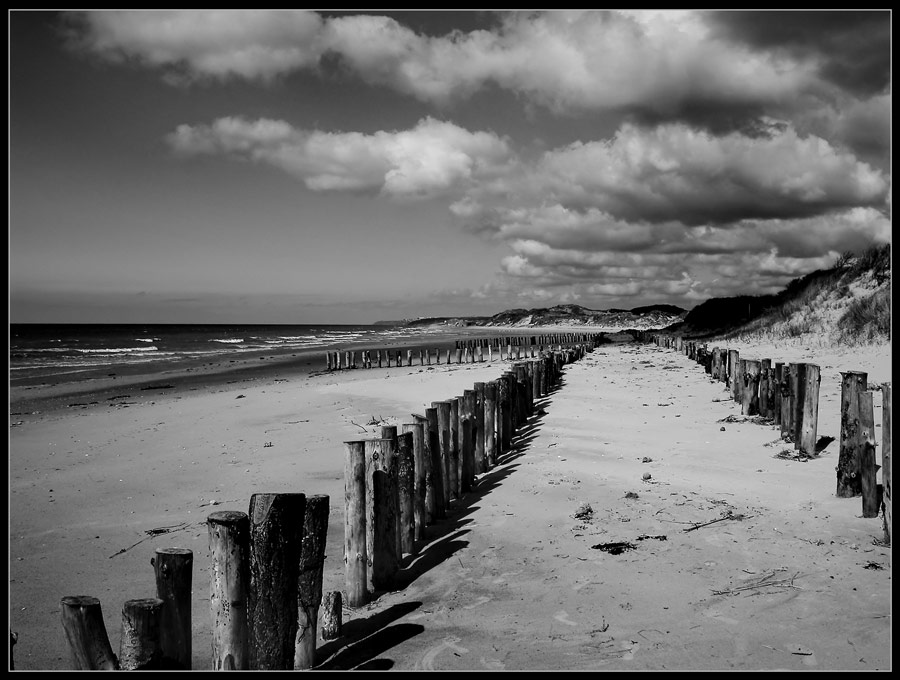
787 395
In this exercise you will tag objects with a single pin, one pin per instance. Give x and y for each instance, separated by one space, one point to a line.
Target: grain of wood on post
406 478
808 380
312 562
490 414
355 552
765 367
88 641
390 432
229 589
467 464
443 415
276 536
139 642
750 389
332 615
454 446
381 523
480 463
417 430
439 508
849 483
867 465
173 568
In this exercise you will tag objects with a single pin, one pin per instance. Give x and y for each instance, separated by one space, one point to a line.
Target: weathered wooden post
276 535
139 644
390 432
467 412
849 483
480 465
332 616
808 381
439 508
789 398
886 458
778 381
82 620
765 368
502 414
328 361
406 483
867 466
381 524
312 562
443 414
490 412
420 517
738 381
173 567
356 555
229 587
453 464
733 361
750 390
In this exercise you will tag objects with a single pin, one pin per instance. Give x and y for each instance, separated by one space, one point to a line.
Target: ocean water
69 349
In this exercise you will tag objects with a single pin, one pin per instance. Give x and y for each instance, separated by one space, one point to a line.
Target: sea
63 351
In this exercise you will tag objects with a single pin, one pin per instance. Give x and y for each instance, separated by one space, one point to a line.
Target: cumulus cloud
434 158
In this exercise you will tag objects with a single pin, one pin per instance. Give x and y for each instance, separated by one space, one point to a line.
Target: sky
199 166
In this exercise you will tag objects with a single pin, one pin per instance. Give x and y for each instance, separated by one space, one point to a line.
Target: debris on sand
646 459
645 476
584 511
616 548
661 537
631 494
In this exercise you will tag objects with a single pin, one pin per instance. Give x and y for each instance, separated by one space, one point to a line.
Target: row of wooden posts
400 484
265 590
266 566
466 351
788 395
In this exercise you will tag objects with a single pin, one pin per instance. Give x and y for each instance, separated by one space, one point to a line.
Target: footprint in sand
631 647
719 616
502 578
449 642
480 601
493 664
563 617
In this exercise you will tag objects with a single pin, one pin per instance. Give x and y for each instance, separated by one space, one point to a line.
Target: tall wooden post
765 368
276 536
503 414
789 398
738 386
82 620
229 586
406 486
390 432
443 414
468 446
777 390
808 380
381 524
468 449
437 465
886 458
867 465
420 517
849 483
173 568
356 555
480 465
312 562
490 412
750 390
139 644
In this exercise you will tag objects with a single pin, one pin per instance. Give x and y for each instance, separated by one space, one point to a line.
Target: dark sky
299 167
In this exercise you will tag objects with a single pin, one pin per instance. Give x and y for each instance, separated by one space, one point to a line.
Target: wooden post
390 432
808 380
173 567
867 465
439 508
381 524
454 446
750 390
765 368
82 620
276 536
886 458
418 446
480 463
355 552
503 414
849 483
139 644
332 616
449 472
788 399
490 412
406 479
229 585
777 383
312 562
738 381
733 361
468 450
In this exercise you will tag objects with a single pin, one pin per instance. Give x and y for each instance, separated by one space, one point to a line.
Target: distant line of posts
788 395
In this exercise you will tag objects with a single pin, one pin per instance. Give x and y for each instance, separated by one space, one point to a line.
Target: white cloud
432 159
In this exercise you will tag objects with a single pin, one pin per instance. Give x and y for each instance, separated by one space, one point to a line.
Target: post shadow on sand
364 639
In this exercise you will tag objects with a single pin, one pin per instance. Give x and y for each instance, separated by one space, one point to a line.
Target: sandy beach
512 580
